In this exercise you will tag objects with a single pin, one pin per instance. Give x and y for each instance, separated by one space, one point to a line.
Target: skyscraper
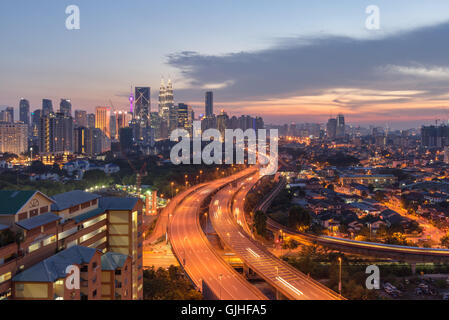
340 133
163 111
142 103
66 107
24 111
47 107
209 104
331 129
10 110
91 120
183 116
81 118
102 120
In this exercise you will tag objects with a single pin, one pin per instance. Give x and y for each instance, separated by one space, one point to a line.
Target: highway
233 232
162 222
195 253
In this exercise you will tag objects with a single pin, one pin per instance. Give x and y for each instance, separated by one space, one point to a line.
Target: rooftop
37 221
54 268
12 200
111 203
70 199
112 260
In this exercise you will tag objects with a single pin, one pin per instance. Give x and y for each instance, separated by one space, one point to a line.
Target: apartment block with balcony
31 233
48 279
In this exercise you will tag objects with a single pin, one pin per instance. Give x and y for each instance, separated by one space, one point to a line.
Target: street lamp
339 281
171 185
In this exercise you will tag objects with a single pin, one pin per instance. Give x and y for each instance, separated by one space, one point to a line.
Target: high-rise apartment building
13 138
100 235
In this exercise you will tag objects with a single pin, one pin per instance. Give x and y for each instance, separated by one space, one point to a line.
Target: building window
34 247
23 216
5 277
94 202
94 293
74 209
49 240
84 269
44 209
85 205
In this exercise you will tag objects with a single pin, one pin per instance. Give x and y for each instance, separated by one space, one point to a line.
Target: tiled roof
72 198
38 221
111 203
11 201
54 268
88 215
113 260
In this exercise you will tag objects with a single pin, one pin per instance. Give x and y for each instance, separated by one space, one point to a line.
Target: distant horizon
304 63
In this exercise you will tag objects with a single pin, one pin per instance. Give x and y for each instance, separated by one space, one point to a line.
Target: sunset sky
288 60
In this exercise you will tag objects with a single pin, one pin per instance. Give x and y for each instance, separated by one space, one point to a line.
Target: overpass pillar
413 265
246 270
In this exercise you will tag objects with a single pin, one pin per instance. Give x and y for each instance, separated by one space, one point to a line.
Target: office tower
209 104
172 118
331 131
169 97
91 120
340 132
126 139
163 110
81 118
13 138
183 111
24 111
142 103
47 107
102 120
65 107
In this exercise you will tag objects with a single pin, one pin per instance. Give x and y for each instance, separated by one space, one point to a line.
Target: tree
299 217
260 223
445 241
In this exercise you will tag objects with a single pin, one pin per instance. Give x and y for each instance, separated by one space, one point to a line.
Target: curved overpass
195 253
284 278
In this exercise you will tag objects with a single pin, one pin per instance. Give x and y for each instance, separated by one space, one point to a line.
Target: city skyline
395 75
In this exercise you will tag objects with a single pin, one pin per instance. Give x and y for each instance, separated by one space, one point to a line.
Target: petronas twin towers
166 100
